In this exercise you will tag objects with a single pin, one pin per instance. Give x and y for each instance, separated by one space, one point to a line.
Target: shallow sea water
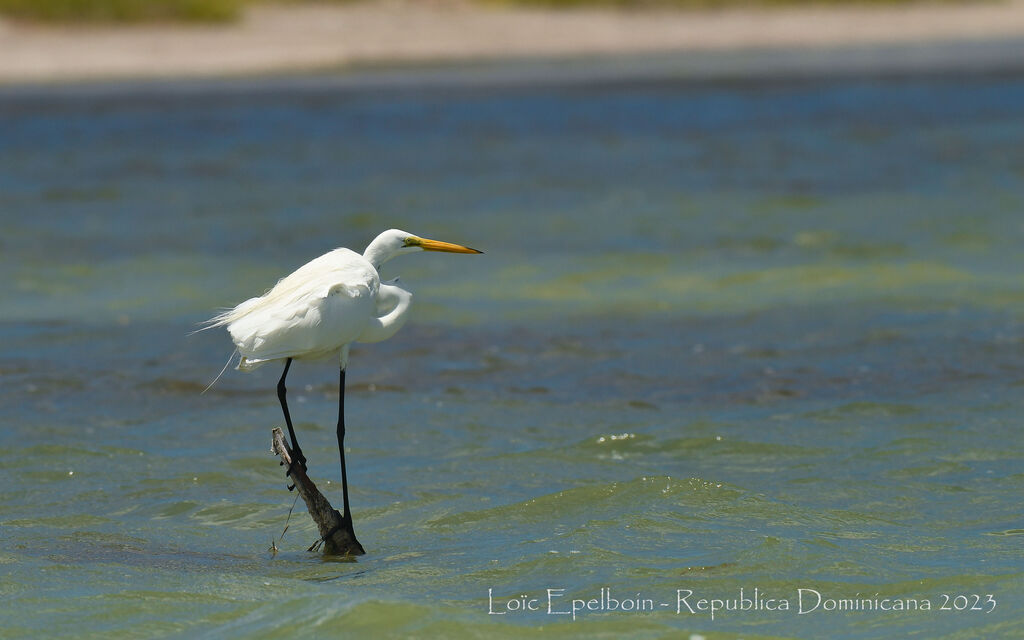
725 336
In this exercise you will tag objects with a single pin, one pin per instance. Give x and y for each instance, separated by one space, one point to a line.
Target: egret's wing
312 312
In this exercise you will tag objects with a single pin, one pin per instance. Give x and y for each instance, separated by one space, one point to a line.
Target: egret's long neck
380 251
383 327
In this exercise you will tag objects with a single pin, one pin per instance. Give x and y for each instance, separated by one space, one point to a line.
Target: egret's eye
411 241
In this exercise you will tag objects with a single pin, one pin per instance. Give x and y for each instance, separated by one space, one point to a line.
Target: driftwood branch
335 533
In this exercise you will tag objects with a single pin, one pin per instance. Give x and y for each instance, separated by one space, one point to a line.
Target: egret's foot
346 524
297 460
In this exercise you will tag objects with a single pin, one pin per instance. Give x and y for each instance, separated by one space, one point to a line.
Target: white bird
319 310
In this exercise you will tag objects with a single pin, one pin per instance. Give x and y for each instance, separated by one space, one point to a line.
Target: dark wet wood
336 534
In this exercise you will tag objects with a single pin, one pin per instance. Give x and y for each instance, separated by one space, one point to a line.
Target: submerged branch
335 533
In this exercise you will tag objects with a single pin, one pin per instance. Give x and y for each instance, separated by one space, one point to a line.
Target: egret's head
395 242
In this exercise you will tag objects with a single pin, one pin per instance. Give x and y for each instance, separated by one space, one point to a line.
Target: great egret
319 310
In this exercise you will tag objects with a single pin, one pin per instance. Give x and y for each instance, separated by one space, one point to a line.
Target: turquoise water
725 336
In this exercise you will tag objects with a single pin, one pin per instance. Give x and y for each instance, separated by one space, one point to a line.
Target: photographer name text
804 601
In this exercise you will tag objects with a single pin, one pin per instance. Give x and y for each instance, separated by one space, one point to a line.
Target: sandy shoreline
273 39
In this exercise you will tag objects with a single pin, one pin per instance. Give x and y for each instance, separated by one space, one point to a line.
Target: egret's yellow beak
437 245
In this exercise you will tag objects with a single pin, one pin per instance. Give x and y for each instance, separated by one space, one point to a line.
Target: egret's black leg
341 449
297 457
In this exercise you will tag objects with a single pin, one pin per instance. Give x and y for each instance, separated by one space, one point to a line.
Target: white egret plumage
319 310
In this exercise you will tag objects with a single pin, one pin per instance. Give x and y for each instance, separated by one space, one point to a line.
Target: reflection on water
723 336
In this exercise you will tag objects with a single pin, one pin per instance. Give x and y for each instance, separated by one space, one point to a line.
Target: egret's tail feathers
226 364
219 320
248 364
227 316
